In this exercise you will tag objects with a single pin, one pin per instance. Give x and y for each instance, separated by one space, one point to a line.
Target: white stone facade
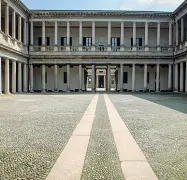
91 50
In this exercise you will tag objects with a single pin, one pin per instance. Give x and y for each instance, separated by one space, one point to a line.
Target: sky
143 5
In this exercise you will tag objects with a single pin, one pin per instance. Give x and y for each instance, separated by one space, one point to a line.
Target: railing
140 48
164 49
37 48
74 48
62 48
49 48
101 48
115 48
152 49
127 48
86 48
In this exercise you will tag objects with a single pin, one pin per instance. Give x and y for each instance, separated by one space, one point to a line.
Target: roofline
180 7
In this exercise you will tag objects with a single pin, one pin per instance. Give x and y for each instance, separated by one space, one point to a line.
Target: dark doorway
101 81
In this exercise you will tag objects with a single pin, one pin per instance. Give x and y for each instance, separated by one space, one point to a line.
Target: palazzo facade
63 51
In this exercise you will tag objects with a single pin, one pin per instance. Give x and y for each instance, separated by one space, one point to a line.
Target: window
87 41
148 77
115 41
47 41
64 41
125 77
138 41
65 77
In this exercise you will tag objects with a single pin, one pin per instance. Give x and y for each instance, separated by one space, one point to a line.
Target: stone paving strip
102 161
70 162
133 162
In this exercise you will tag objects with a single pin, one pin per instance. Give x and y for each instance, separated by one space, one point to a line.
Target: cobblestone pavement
159 125
102 160
34 129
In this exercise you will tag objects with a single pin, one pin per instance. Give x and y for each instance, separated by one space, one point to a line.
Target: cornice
21 6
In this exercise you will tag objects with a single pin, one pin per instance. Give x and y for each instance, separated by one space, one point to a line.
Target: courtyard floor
93 136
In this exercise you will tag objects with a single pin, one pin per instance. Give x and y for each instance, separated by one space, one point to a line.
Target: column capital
93 21
158 22
6 4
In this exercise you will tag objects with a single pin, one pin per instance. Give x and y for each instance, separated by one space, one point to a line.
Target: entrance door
101 81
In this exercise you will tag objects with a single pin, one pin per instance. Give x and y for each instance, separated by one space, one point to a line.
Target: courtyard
40 134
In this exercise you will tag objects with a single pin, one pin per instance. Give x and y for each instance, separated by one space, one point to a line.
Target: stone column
93 35
25 32
19 78
122 36
19 29
176 77
158 37
68 36
7 19
177 33
0 66
109 78
133 77
145 77
93 78
146 36
182 30
31 78
7 79
56 37
13 24
121 78
68 78
157 77
134 36
181 77
170 34
24 77
186 79
31 32
80 78
43 79
109 35
43 36
80 36
13 77
169 76
56 78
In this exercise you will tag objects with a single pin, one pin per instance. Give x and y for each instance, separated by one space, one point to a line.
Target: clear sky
155 5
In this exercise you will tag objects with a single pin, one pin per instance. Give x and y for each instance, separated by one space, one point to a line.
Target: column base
43 91
31 48
43 48
68 48
157 91
55 48
109 48
80 48
122 48
146 49
158 48
93 48
7 93
31 91
134 49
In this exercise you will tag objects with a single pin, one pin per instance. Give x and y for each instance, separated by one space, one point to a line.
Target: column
93 78
170 34
56 78
24 77
157 78
93 35
19 78
134 36
177 33
145 77
43 36
176 77
109 78
0 70
80 78
121 77
169 77
122 37
19 29
68 78
0 24
31 78
13 77
43 79
109 35
181 77
25 32
13 24
31 32
158 37
56 37
146 33
133 77
182 30
7 19
7 79
80 36
68 36
186 79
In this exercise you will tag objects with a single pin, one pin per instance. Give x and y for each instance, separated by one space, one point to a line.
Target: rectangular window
115 41
46 77
65 77
138 41
125 77
39 41
148 77
87 41
64 41
47 41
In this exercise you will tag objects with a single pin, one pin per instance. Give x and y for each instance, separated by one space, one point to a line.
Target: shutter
62 41
118 41
140 41
65 77
131 41
48 41
70 41
91 41
39 41
84 41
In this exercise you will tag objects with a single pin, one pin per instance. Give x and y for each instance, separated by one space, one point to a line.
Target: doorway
101 81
